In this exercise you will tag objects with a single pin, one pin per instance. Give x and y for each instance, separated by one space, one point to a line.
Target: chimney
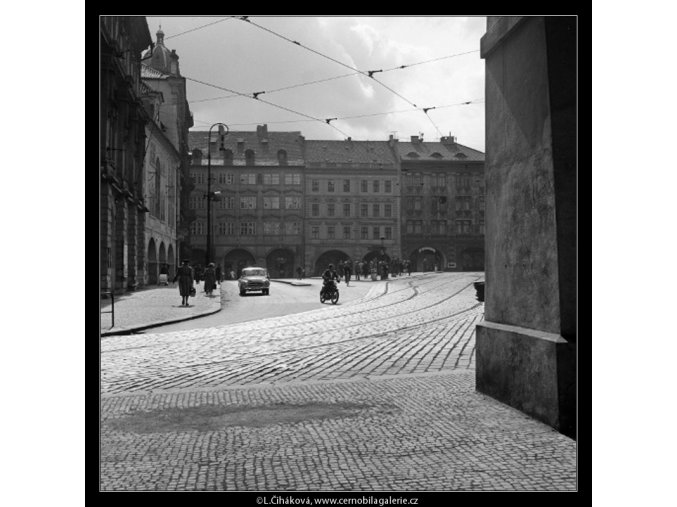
414 140
448 140
262 131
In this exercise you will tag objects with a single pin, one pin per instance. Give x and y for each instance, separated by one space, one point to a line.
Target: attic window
460 155
437 155
282 157
249 157
412 154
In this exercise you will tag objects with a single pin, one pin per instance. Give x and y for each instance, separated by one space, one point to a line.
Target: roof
151 73
442 151
264 144
359 152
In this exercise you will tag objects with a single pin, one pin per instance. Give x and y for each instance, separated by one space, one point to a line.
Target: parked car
254 279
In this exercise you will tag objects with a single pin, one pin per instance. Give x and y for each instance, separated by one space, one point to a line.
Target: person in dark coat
219 273
185 277
209 277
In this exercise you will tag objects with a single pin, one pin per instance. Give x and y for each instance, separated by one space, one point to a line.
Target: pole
223 131
209 197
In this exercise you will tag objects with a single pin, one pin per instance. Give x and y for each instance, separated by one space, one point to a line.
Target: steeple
160 58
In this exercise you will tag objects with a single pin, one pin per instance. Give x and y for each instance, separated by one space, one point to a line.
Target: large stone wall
526 346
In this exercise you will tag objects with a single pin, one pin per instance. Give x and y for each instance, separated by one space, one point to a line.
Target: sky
217 54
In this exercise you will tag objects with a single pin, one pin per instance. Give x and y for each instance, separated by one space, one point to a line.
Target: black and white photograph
338 255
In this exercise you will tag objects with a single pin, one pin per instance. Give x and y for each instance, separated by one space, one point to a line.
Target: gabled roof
449 151
349 151
265 145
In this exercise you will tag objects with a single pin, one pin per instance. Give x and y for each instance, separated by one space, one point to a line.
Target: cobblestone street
375 394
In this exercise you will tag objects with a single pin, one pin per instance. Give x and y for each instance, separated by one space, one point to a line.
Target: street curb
159 323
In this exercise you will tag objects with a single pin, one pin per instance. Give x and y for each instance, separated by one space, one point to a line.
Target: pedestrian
409 268
348 271
298 272
185 277
210 279
219 274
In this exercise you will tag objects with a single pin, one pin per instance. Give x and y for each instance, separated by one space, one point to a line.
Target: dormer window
282 157
437 155
460 155
412 154
249 157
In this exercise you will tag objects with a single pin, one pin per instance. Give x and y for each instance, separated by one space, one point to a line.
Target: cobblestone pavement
377 394
154 306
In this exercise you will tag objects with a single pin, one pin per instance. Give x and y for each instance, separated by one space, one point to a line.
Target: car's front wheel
266 292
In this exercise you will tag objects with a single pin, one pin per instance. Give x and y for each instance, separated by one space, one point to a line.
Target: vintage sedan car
254 279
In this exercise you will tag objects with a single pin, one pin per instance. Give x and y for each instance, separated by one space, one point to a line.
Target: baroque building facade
352 197
284 202
122 141
443 204
256 216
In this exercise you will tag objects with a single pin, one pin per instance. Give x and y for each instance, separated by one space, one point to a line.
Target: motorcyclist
328 276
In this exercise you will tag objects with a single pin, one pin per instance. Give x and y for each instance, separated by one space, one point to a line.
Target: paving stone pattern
377 394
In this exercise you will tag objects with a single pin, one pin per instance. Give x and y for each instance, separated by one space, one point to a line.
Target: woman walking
185 277
209 276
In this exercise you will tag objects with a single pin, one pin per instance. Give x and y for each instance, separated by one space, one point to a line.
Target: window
271 202
292 228
230 179
271 228
364 210
292 202
410 227
282 157
221 229
315 209
364 232
376 232
481 227
226 202
292 179
331 209
388 186
248 202
418 226
388 232
388 210
364 186
438 204
315 232
376 210
412 154
271 179
315 186
227 157
436 155
197 228
248 179
346 185
331 232
330 186
346 209
417 203
463 226
346 232
221 177
247 228
249 157
375 186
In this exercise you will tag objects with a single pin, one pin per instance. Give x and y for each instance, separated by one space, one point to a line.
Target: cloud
242 57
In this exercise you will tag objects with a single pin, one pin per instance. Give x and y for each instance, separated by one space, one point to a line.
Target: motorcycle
329 292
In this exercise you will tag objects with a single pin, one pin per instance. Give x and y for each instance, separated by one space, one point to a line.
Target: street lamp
223 132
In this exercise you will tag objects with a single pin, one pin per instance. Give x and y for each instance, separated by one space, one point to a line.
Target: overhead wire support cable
198 28
265 102
332 59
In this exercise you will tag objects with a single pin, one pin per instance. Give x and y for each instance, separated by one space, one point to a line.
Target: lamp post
223 132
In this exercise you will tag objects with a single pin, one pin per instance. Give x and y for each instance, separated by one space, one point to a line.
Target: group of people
185 275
